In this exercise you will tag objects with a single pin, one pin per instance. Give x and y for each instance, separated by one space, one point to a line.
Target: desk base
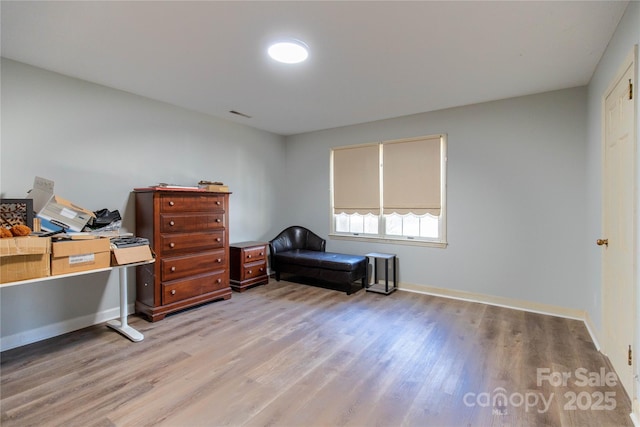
125 330
121 325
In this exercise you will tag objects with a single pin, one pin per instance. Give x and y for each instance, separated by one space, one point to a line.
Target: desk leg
121 325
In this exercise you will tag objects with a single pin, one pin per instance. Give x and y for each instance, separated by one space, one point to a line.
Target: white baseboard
59 328
635 415
533 307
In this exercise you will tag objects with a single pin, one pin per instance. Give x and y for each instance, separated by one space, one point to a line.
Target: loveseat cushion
324 260
298 257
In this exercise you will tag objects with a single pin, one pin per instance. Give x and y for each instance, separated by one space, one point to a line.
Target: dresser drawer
178 290
254 254
192 203
173 268
191 242
255 269
176 223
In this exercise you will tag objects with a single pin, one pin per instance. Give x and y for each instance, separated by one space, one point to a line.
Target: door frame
635 399
631 58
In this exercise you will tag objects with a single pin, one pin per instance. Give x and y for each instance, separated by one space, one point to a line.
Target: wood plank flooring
288 354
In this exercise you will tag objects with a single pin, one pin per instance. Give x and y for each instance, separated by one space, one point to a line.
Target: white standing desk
119 325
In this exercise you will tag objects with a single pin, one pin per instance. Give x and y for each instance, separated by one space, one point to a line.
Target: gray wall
97 144
516 196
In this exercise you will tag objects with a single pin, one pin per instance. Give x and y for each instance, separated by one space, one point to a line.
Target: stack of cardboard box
33 257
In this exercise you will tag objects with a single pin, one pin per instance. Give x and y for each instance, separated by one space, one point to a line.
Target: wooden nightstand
248 265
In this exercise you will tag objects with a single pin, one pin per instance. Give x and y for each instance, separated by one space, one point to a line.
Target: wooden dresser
248 265
188 231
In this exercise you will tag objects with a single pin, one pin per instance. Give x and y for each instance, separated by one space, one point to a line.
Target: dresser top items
202 187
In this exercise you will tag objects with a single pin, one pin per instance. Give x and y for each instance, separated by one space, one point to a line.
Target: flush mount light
289 52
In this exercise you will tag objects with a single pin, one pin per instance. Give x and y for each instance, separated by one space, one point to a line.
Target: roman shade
356 179
411 177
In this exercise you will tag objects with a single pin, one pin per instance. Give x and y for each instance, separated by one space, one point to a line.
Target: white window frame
440 242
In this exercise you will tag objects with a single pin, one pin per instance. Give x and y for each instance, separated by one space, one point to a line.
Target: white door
618 226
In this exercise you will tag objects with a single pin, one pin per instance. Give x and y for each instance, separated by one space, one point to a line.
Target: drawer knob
219 281
218 220
218 239
261 253
218 202
172 245
261 269
146 284
173 269
173 291
171 203
248 256
219 260
250 271
171 223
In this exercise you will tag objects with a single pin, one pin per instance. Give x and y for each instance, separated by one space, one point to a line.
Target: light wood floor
288 354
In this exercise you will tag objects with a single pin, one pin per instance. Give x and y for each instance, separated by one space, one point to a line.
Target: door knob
601 242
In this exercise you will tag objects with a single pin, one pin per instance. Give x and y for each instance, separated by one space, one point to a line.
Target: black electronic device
125 242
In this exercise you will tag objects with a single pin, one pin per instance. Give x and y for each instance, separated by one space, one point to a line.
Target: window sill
403 241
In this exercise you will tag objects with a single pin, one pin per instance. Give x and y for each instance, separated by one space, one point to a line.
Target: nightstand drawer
254 270
191 265
254 254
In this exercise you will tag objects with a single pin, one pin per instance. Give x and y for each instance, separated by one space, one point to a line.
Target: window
392 190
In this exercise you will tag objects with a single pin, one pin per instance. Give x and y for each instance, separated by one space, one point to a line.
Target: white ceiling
368 60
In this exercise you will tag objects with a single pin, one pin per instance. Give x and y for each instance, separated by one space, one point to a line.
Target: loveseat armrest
297 237
315 242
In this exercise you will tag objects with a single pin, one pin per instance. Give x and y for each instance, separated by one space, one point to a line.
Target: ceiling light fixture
289 52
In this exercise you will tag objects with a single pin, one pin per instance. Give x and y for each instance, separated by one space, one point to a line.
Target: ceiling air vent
237 113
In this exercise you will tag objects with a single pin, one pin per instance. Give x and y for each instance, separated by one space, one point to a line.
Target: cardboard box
56 213
23 258
131 255
71 256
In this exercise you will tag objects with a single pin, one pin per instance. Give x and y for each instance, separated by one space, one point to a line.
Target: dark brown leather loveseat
299 251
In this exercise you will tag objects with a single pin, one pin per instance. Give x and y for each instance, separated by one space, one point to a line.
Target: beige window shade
411 178
356 178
